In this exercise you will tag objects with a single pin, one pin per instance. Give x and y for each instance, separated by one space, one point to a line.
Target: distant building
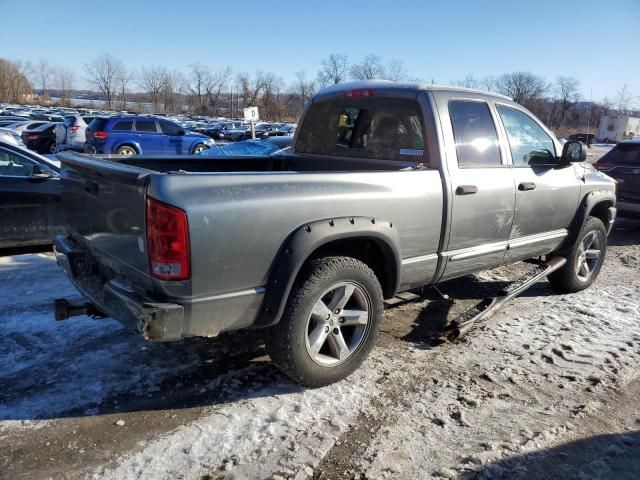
616 128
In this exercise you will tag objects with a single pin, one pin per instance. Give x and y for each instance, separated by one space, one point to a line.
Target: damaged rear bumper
154 320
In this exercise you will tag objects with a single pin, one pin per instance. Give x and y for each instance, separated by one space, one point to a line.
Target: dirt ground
547 388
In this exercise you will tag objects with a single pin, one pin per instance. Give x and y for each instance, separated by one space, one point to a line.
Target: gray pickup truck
388 187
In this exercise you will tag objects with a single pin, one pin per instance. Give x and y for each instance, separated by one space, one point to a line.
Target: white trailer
616 128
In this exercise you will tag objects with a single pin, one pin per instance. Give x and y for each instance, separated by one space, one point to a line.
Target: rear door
29 205
547 194
482 189
148 136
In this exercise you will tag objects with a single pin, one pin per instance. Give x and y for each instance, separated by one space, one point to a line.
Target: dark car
30 212
142 135
41 139
622 163
218 131
253 148
587 138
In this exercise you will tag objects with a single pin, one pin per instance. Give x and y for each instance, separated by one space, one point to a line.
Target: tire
200 147
53 148
314 349
126 150
583 263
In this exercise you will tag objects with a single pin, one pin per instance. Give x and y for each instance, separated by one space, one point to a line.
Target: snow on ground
86 399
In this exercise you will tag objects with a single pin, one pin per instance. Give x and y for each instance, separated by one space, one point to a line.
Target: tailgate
104 208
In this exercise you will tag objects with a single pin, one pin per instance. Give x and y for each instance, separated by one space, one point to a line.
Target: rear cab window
375 128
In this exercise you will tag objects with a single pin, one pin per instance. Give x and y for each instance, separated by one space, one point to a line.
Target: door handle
524 186
466 190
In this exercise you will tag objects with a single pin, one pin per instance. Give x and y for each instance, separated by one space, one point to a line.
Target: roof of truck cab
389 85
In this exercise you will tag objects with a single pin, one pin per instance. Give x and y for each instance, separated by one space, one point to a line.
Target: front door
547 194
482 189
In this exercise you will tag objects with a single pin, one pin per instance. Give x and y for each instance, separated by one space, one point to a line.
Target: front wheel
330 322
201 147
584 260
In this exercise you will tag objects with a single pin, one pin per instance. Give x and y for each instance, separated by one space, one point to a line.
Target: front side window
384 129
13 165
529 143
169 128
475 134
146 126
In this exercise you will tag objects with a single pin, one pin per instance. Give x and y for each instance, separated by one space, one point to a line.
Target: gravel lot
548 388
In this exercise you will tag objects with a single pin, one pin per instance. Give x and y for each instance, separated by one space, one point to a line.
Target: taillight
100 135
167 241
74 128
33 136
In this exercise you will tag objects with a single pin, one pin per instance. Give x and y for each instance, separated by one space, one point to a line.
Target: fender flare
591 201
307 239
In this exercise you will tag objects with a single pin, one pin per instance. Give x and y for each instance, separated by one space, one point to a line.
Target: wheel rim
337 324
589 255
199 148
127 151
52 148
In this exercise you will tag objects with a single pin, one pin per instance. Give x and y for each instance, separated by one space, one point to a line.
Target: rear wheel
201 147
126 150
584 260
330 323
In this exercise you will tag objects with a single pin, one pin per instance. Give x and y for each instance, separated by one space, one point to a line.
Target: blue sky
595 41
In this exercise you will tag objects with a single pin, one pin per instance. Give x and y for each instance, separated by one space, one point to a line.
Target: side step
487 307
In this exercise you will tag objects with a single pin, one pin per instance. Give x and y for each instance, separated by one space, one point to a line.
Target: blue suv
142 135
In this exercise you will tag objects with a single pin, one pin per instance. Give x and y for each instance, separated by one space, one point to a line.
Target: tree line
207 90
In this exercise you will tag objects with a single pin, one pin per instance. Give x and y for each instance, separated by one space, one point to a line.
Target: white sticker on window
411 151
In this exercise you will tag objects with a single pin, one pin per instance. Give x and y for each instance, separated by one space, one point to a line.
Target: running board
487 307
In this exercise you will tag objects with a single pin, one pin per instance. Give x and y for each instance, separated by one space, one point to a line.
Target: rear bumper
154 320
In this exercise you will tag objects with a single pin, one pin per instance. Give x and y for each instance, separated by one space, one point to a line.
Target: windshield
382 128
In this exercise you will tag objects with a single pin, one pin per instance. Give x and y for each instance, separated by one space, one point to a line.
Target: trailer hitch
65 309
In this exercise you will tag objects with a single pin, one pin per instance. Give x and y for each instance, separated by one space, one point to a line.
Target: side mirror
572 152
39 173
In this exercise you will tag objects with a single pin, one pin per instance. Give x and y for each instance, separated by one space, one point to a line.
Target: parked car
218 131
30 210
20 127
71 133
243 132
310 243
251 148
41 139
587 138
137 135
11 137
622 163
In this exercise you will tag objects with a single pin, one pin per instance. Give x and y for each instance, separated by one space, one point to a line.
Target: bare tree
43 73
369 68
14 80
467 82
333 70
303 89
623 99
567 95
524 87
174 92
64 78
103 73
214 83
153 80
396 71
123 79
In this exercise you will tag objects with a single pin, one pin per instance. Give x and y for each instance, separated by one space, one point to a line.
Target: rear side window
169 128
529 143
98 124
124 126
146 126
623 153
383 128
475 134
